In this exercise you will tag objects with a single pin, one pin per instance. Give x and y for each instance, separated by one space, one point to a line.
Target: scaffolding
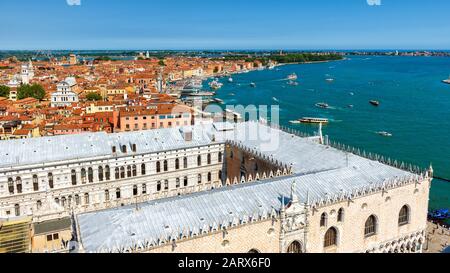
15 236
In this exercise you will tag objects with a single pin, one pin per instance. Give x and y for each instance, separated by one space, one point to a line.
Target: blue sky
224 24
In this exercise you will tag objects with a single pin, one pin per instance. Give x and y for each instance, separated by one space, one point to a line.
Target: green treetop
31 91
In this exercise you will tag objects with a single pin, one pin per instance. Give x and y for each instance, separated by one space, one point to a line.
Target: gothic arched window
370 227
199 179
117 173
100 173
107 173
134 170
122 172
208 159
340 216
199 160
19 184
166 166
83 175
220 157
143 169
11 185
185 162
330 237
50 180
35 183
177 164
323 220
17 209
209 177
74 177
158 167
403 216
90 175
129 171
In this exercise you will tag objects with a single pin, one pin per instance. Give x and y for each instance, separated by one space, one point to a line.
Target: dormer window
134 148
114 150
124 149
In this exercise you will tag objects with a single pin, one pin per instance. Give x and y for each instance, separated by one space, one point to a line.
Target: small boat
313 120
383 133
330 80
350 106
322 105
275 99
218 100
230 79
252 84
295 122
292 77
374 102
447 81
352 94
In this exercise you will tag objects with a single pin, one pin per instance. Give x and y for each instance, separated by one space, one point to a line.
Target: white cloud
73 2
374 2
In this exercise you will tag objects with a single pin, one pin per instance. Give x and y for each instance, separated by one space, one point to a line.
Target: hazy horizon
225 25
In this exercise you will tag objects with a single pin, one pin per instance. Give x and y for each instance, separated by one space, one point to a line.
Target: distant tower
73 59
159 83
147 55
27 72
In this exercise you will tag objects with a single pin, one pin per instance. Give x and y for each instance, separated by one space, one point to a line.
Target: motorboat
322 105
385 134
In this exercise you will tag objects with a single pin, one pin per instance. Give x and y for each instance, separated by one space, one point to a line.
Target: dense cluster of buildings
127 93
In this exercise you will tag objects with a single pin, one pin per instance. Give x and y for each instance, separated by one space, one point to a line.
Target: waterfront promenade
438 238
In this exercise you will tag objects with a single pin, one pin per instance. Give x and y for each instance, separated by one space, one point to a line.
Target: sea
414 106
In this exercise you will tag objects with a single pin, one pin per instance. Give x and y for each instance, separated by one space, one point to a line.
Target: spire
294 197
283 209
430 170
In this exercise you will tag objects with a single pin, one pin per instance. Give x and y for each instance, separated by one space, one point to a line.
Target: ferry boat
383 133
292 77
322 105
313 120
374 102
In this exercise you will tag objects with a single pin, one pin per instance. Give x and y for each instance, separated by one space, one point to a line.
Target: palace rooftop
302 155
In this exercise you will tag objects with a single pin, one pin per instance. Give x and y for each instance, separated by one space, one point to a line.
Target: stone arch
295 247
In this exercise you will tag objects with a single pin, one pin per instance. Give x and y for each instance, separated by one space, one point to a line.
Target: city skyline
175 25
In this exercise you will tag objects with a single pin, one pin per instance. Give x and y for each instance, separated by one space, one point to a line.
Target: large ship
214 85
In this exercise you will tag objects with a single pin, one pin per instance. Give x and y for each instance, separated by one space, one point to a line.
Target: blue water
415 106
